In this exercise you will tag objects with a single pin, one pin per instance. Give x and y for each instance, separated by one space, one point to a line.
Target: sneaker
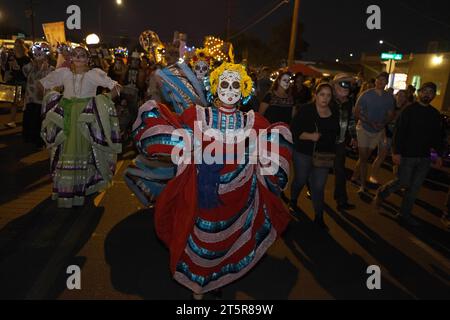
11 125
373 180
346 206
409 221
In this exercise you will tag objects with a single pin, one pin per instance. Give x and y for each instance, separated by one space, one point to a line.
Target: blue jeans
410 176
304 171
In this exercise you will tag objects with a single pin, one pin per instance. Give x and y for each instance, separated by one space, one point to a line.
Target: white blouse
78 85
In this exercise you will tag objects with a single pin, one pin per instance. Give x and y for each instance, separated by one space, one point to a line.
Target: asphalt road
113 242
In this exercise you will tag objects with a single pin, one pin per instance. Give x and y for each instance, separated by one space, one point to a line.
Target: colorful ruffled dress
82 132
217 220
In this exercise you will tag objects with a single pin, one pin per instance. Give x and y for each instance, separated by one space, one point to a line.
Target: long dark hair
276 83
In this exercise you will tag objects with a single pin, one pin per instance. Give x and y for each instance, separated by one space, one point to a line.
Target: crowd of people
83 108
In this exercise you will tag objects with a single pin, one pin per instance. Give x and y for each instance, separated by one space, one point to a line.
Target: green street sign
391 56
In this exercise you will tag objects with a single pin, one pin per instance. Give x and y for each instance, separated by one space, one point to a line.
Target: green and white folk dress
82 132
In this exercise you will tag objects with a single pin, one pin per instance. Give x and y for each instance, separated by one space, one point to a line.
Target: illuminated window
416 82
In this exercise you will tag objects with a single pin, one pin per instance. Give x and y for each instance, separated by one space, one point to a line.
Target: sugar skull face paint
285 82
201 70
229 89
80 56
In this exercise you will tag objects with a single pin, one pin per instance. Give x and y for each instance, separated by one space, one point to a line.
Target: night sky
332 28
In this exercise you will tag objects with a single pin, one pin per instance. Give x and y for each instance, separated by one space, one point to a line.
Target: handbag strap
315 142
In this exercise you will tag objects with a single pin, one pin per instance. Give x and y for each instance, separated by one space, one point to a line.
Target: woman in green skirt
81 130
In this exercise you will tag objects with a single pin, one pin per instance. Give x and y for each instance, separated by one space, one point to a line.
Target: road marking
100 197
119 166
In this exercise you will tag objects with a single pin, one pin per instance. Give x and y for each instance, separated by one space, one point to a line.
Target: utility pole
294 33
100 18
30 14
229 21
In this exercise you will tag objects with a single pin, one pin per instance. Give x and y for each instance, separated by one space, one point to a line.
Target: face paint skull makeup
229 89
80 56
285 82
201 70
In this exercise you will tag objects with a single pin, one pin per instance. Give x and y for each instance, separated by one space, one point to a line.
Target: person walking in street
15 66
418 130
374 110
402 99
36 70
343 106
81 130
314 129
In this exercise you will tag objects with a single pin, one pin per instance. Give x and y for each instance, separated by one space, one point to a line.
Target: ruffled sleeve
100 78
55 78
158 134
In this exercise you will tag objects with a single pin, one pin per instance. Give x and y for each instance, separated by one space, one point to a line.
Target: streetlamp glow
381 41
92 39
337 60
437 60
119 2
351 54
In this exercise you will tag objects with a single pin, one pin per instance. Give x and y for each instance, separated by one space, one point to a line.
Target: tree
272 51
280 40
253 49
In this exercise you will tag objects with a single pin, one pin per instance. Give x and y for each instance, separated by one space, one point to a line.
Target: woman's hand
310 136
115 92
315 136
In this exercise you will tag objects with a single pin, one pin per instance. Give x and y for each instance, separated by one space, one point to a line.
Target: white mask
201 70
285 82
229 89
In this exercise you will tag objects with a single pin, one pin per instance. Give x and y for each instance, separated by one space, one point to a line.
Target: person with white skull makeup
183 85
201 64
278 104
81 129
217 220
36 70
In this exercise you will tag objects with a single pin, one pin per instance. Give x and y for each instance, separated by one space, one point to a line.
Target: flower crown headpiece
246 81
200 55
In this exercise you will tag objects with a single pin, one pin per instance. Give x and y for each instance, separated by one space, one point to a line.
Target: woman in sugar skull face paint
201 64
217 219
182 84
81 129
278 104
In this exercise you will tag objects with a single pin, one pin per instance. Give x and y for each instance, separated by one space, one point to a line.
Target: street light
389 44
437 60
92 39
337 60
351 54
119 2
